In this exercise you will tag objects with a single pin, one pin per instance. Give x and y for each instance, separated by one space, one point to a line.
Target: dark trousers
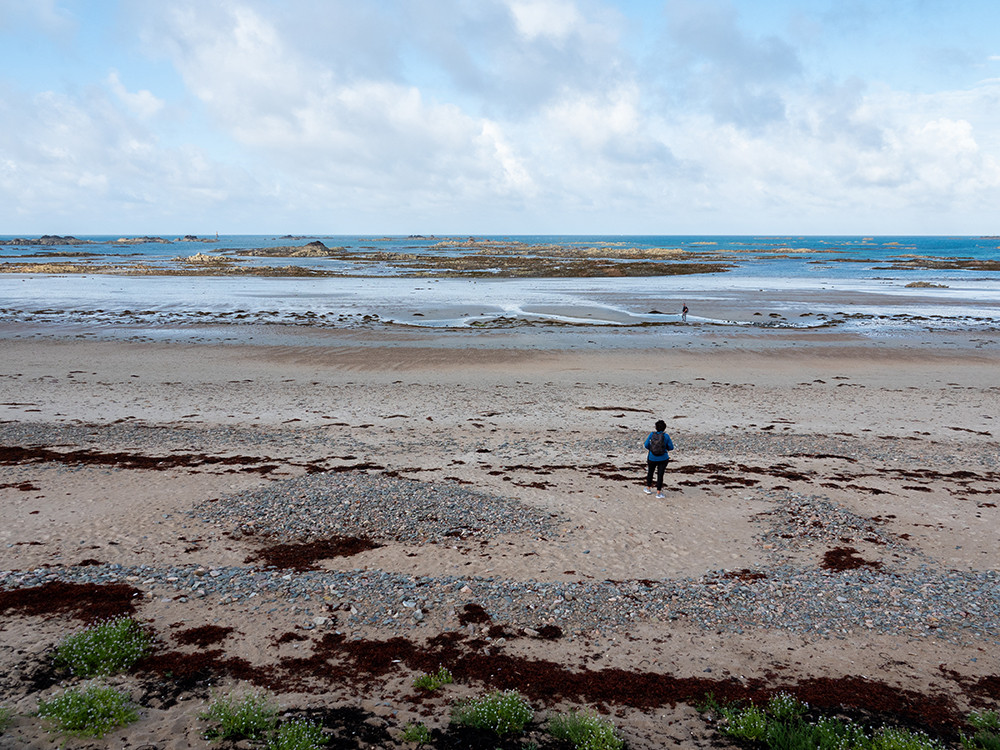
658 467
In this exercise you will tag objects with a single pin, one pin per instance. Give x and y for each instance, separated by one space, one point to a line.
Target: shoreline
746 302
430 347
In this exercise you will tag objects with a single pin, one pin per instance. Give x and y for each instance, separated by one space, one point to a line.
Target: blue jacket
665 456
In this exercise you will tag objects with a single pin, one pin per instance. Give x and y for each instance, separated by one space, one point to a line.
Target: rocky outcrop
202 259
141 240
314 249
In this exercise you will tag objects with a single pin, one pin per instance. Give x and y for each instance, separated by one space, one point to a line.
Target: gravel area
959 607
377 507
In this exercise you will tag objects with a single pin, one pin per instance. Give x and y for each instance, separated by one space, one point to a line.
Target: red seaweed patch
474 614
187 670
550 632
14 455
305 555
846 558
204 636
22 486
89 602
289 637
744 574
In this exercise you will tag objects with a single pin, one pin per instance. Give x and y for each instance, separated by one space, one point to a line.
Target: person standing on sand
658 443
684 314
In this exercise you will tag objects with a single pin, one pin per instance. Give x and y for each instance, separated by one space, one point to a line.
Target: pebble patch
378 507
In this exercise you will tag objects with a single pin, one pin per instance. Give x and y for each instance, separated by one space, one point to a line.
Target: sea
864 286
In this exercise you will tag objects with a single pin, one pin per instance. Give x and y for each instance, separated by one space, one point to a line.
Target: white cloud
143 104
593 120
316 124
890 161
513 176
553 19
502 115
77 165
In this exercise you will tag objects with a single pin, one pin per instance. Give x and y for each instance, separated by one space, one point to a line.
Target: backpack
657 444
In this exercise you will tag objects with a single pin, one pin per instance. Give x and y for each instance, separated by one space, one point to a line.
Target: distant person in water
684 314
658 443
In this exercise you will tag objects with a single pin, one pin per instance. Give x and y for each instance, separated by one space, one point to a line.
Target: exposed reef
314 249
190 266
467 259
926 263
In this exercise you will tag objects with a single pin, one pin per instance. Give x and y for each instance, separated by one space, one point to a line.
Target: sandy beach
830 526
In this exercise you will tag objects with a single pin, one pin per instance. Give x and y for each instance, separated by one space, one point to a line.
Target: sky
632 117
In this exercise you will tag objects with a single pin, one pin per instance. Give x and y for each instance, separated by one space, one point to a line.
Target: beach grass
104 649
987 734
432 681
248 716
503 712
586 731
92 710
416 732
297 734
782 724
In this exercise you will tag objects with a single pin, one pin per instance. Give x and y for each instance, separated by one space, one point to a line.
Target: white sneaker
647 490
659 495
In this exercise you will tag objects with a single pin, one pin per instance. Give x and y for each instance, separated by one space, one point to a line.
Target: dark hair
660 425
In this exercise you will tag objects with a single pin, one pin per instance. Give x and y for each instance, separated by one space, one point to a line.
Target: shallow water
767 288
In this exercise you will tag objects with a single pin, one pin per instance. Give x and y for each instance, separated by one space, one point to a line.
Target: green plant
782 726
825 734
501 712
985 720
6 718
748 723
432 682
786 707
987 736
983 739
797 736
298 734
416 732
585 731
92 711
834 734
711 705
108 647
251 716
893 738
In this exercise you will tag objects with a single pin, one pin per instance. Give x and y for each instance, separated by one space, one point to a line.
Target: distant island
49 240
